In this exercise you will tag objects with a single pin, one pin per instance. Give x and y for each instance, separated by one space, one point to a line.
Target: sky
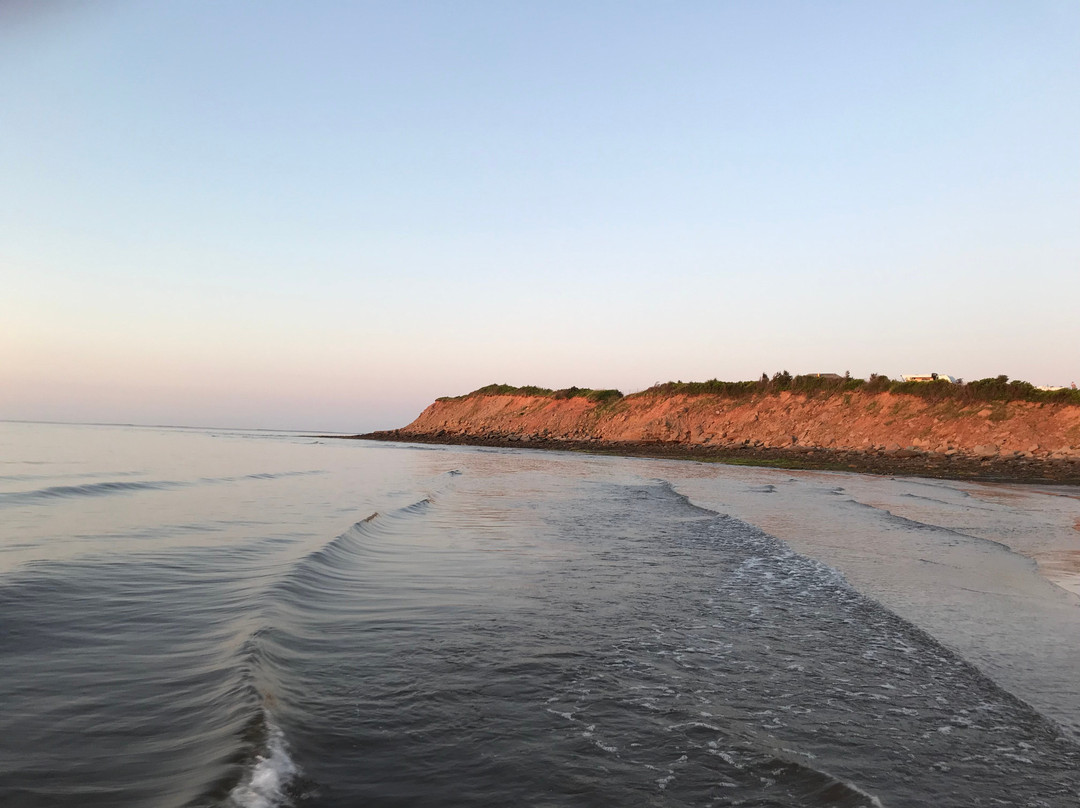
322 215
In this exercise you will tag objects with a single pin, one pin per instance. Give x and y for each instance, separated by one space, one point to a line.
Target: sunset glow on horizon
323 217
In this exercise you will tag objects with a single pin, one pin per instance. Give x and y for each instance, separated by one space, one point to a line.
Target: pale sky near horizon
323 215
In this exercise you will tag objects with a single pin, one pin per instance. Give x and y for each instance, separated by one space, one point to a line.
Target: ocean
194 617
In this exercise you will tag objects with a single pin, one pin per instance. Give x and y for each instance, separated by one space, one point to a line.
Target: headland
992 429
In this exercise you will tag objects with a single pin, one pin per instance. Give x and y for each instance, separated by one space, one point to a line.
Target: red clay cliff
1029 437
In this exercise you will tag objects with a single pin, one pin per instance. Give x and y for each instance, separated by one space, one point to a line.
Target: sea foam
266 784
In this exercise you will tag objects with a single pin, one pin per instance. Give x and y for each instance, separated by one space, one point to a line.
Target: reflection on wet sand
990 570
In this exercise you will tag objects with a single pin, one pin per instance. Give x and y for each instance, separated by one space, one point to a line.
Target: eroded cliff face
876 422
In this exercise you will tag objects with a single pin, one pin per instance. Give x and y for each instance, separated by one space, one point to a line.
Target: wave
51 493
936 501
271 778
914 524
360 538
87 490
818 787
369 537
269 475
665 487
293 613
333 568
69 475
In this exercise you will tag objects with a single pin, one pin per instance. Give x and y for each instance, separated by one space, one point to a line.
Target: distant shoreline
958 467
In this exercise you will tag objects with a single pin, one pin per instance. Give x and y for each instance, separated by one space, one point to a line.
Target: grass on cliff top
599 396
995 389
990 390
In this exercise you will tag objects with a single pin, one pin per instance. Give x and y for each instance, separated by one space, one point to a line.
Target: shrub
508 390
779 381
938 390
712 387
995 389
818 384
599 396
989 390
877 383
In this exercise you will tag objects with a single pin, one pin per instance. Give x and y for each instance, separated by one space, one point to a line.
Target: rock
985 450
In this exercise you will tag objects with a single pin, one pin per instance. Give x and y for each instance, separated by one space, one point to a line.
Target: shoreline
903 463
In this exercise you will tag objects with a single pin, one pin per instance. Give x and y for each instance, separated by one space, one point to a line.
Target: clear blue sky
325 214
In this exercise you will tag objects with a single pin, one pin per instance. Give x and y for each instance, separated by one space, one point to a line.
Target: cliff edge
857 421
942 432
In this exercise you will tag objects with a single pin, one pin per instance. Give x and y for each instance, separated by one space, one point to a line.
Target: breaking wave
269 780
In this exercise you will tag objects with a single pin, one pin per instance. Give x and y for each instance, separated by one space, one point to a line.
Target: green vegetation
992 390
510 390
996 390
599 396
779 382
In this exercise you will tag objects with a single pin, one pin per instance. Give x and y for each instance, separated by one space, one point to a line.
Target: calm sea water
212 618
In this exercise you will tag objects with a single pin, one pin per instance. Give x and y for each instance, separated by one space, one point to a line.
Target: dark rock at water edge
908 462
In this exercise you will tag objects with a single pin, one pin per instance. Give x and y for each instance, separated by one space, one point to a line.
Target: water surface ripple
492 629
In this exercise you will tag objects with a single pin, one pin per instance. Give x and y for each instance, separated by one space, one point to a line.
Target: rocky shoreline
908 462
